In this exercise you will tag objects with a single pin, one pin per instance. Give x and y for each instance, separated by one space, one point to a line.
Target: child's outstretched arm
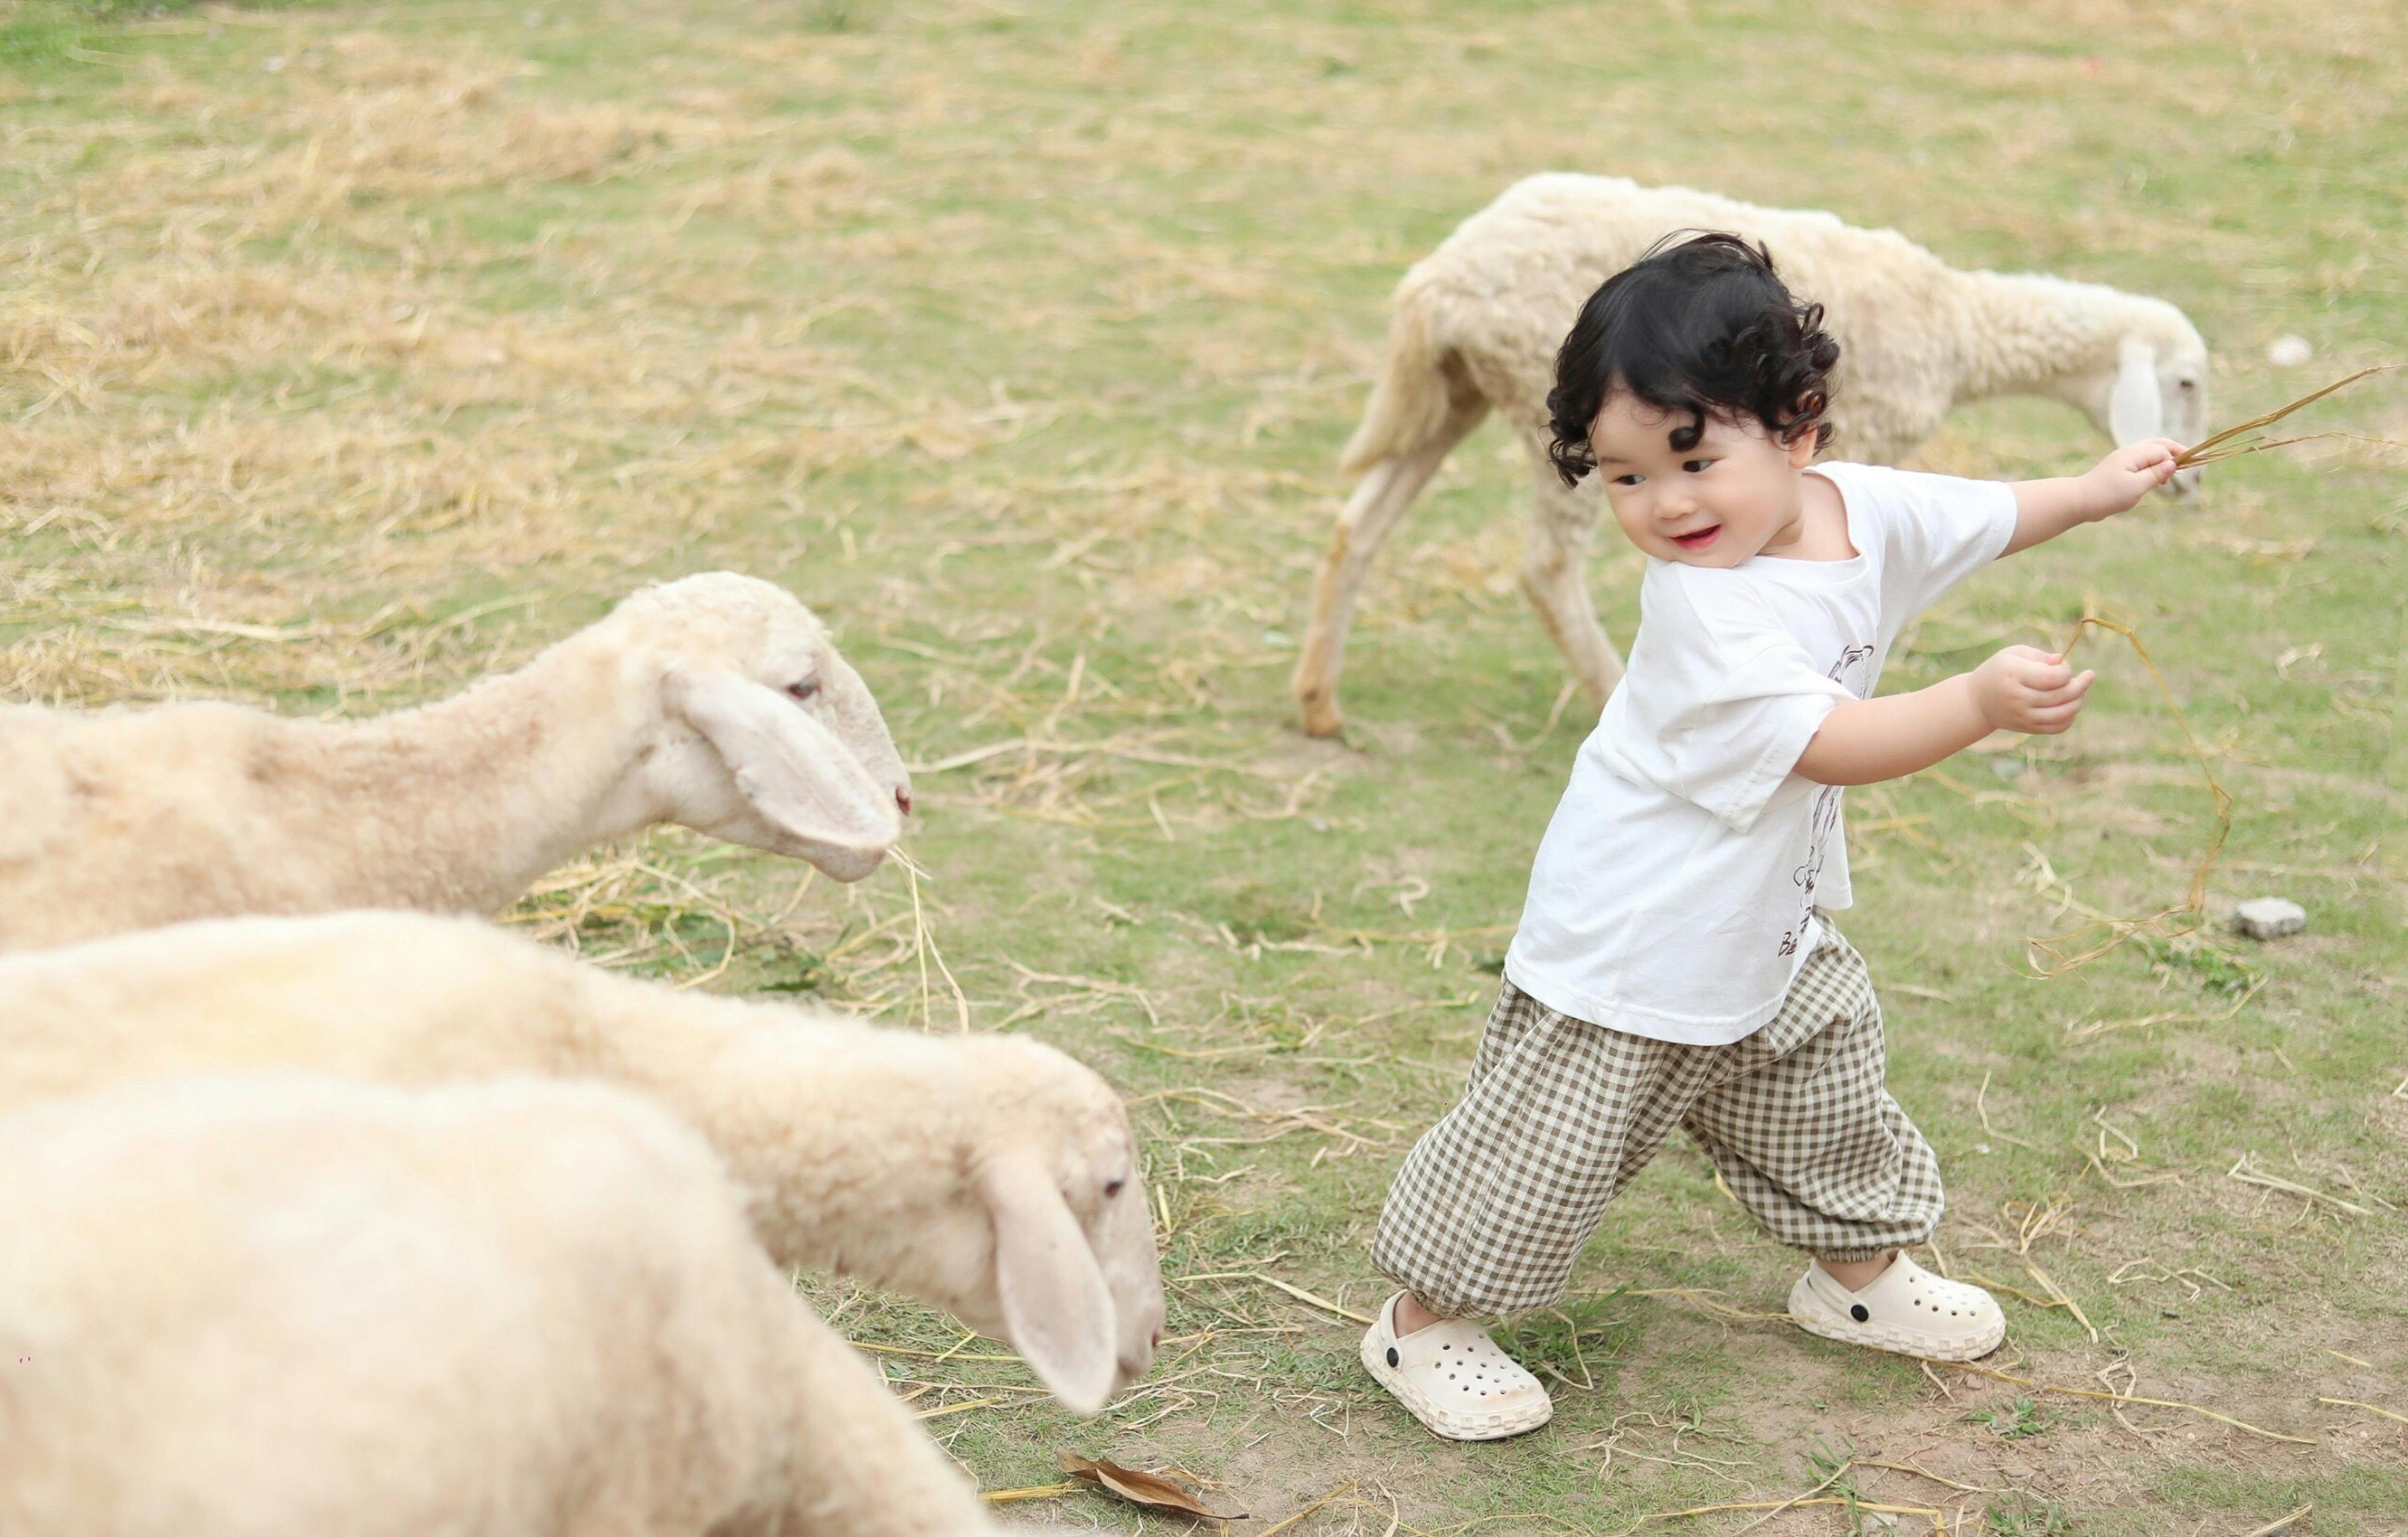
2022 688
2045 509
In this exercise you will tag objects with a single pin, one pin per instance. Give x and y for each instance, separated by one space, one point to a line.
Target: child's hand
2119 481
2024 688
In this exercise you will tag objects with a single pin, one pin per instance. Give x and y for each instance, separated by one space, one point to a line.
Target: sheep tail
1413 402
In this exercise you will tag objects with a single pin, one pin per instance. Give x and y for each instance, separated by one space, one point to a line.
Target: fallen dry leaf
1151 1490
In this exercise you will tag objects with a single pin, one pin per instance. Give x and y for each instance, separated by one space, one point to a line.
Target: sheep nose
1157 1338
903 801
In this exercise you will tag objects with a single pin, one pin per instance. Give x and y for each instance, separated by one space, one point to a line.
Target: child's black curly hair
1704 325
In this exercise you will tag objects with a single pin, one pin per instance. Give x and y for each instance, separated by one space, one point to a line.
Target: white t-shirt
1673 896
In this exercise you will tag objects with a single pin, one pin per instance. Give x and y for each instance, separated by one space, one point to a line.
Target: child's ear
1806 437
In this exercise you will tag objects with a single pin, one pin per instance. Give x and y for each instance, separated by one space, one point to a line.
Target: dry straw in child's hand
2231 443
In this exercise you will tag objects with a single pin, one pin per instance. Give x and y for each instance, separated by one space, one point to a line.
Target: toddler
1676 964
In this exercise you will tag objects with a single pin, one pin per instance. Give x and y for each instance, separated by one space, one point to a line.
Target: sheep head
1049 1243
766 737
2154 384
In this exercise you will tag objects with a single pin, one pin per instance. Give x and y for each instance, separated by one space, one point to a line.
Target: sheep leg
1554 578
1379 500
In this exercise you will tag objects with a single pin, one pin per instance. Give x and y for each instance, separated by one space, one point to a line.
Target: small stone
2269 918
2289 351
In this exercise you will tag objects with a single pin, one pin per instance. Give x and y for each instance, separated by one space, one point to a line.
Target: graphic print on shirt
1827 801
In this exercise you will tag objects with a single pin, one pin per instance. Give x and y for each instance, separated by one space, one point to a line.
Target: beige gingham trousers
1496 1200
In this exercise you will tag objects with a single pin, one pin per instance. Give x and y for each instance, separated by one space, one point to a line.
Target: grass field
346 352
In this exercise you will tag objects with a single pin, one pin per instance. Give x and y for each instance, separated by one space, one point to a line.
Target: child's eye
1696 466
1624 480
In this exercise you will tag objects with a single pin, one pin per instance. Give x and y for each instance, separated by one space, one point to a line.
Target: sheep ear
2135 407
1054 1296
793 770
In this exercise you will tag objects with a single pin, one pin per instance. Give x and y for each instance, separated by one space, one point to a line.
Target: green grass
1019 339
2017 1421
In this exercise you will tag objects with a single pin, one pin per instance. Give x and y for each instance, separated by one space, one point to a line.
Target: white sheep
988 1174
717 702
276 1303
1477 324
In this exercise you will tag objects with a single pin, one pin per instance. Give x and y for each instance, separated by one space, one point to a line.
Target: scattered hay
627 910
1297 1292
1774 1507
2121 1398
2245 1170
2060 1296
2280 1523
2371 1408
1346 1487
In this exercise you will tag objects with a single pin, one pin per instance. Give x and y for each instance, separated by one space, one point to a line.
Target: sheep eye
804 690
2189 384
1113 1188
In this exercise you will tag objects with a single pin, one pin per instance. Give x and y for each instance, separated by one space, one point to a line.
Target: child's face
1734 495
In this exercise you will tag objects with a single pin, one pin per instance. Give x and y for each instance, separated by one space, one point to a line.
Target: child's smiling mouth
1697 541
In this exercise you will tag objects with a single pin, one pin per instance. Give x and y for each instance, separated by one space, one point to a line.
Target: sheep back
263 1304
1501 292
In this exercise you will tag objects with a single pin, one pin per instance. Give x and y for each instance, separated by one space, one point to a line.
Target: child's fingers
2071 689
2055 719
2047 677
2024 663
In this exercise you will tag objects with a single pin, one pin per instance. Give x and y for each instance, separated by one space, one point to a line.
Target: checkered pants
1494 1203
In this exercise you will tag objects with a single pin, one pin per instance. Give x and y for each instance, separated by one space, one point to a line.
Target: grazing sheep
717 702
1477 324
274 1303
990 1175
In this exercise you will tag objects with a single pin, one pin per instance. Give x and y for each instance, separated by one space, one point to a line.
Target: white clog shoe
1454 1379
1906 1309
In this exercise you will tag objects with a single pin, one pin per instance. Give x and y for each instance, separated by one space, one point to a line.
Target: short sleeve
1935 530
1719 702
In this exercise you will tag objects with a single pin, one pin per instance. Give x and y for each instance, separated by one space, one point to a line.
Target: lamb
1477 324
276 1303
990 1175
717 702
